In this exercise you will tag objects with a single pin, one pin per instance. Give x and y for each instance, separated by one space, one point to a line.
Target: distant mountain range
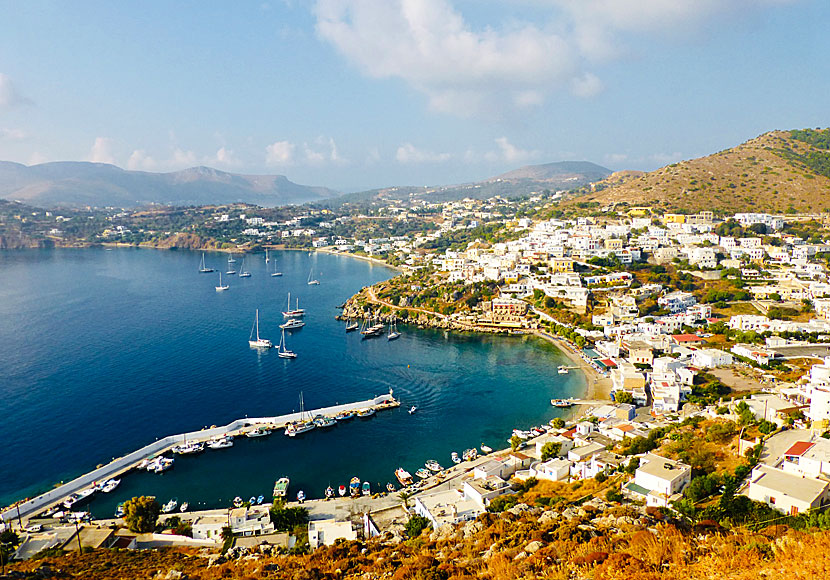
81 184
563 175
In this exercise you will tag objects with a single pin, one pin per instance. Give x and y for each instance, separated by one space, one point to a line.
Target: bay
103 351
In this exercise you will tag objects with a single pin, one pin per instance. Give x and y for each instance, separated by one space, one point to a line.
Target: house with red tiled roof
808 458
687 339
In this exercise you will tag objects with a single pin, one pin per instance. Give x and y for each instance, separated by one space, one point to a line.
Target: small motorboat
258 432
329 492
344 415
485 449
163 464
110 485
364 413
433 465
470 454
561 403
423 473
184 506
412 409
367 488
220 443
119 510
323 421
562 370
301 496
237 502
252 500
341 491
354 486
455 458
170 506
390 487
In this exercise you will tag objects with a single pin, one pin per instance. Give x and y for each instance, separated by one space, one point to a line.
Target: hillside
779 171
81 184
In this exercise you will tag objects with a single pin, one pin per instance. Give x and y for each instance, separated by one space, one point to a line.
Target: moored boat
292 324
329 492
354 486
220 443
561 403
390 487
486 449
301 496
323 421
367 488
341 491
254 340
202 268
455 458
470 454
237 502
221 287
363 413
562 370
258 432
170 506
344 415
423 473
433 465
183 508
281 487
403 476
296 312
412 409
109 485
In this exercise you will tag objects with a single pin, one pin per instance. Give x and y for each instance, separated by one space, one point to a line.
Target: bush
141 514
614 495
416 525
550 449
624 397
286 519
721 431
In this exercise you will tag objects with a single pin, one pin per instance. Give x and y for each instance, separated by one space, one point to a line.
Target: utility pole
78 535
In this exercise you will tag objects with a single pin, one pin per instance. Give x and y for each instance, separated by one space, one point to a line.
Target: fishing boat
329 492
301 496
367 488
221 288
393 331
469 454
260 499
292 324
296 312
423 473
258 432
364 413
312 281
170 506
188 448
323 421
220 443
341 491
344 415
282 349
561 403
204 269
184 506
390 487
486 449
433 465
281 487
455 458
119 510
237 502
109 485
352 326
354 486
403 476
412 409
562 370
242 272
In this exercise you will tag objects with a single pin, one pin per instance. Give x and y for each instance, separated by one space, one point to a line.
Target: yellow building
674 218
613 244
559 265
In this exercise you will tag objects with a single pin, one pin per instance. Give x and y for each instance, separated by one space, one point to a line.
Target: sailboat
275 273
221 288
296 313
266 256
282 351
242 272
301 426
393 330
258 342
231 259
311 280
351 325
202 268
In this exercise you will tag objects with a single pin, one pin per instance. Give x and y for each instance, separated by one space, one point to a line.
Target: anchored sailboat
282 351
311 280
393 330
296 313
275 273
258 342
221 288
242 272
202 268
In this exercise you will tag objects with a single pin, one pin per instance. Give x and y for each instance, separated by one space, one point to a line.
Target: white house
709 358
785 492
808 458
325 532
658 479
556 469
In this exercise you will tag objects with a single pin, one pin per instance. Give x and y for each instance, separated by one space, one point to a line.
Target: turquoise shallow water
102 352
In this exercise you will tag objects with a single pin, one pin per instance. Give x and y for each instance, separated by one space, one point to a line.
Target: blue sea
103 351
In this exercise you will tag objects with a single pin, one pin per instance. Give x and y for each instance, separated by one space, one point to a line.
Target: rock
571 513
533 547
522 508
519 556
443 533
472 528
489 553
548 517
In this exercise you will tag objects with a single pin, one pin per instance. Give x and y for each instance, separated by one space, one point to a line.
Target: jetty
126 463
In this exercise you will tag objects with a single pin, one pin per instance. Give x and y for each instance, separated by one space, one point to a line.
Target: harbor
240 427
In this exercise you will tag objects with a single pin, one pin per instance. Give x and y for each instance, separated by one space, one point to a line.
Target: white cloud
616 158
509 153
140 161
373 156
323 150
280 153
101 151
37 158
466 69
9 95
225 158
183 158
7 134
408 153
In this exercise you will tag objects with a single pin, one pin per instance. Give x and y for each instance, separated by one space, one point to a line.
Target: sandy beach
597 386
358 257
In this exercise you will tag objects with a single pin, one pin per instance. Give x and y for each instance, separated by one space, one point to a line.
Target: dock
120 466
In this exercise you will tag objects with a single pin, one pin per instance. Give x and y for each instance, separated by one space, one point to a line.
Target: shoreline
328 250
597 386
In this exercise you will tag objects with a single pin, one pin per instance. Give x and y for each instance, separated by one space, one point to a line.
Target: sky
359 94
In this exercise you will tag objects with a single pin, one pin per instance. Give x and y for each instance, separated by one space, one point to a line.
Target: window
793 511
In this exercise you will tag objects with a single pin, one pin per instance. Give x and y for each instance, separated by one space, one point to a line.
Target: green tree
551 449
557 423
285 518
515 442
416 525
624 397
141 514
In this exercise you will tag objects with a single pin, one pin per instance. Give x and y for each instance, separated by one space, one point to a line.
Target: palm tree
405 496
